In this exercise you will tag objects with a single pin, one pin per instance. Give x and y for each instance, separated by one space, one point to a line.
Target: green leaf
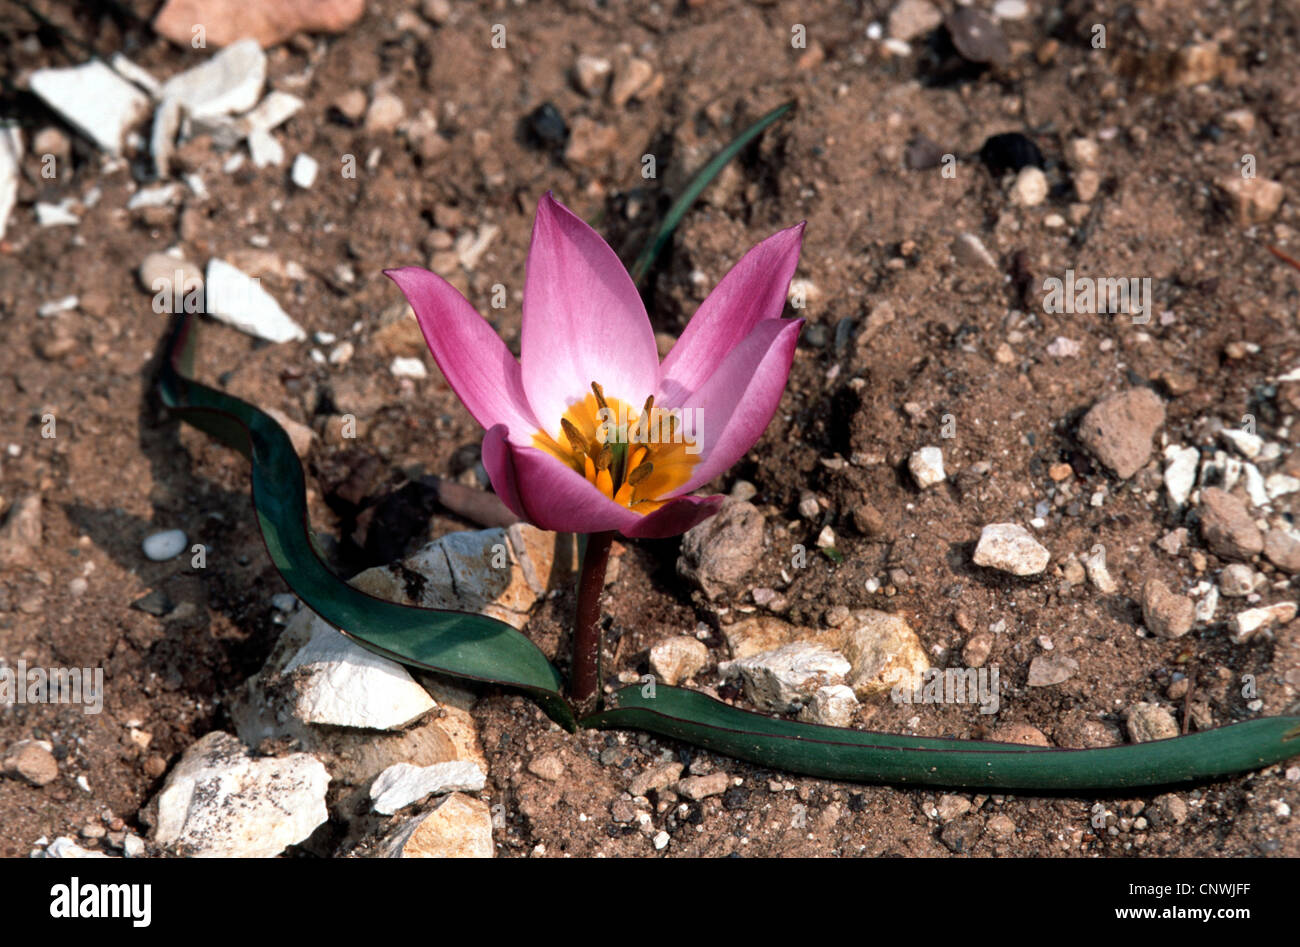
457 643
864 756
698 183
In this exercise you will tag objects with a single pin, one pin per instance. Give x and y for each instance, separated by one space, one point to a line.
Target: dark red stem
585 679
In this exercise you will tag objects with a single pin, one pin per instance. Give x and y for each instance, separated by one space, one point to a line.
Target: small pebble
165 545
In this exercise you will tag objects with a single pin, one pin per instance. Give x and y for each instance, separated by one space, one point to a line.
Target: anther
640 473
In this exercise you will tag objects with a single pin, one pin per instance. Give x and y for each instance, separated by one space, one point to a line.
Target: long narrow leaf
697 184
864 756
456 643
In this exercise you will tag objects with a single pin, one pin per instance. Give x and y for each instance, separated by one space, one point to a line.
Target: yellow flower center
634 459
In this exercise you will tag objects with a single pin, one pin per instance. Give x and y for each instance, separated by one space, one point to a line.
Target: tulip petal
476 363
675 517
755 289
546 493
500 468
732 409
583 320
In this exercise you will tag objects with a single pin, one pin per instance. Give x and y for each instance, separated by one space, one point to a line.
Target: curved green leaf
864 756
697 184
456 643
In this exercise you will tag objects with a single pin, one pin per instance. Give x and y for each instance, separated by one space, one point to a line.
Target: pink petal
476 363
675 517
755 289
501 469
733 408
583 319
546 493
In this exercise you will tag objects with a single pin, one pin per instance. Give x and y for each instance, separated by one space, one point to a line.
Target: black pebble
1010 151
547 126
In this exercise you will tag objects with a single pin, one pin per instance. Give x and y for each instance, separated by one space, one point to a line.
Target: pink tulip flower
587 431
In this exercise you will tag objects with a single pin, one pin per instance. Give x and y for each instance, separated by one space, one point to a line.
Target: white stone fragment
1279 484
158 196
303 172
11 152
64 847
1208 605
56 215
1245 624
1247 444
94 99
345 685
926 466
265 149
1098 574
273 111
1180 474
229 82
56 306
1009 547
221 802
833 706
162 136
238 300
1255 488
402 784
784 678
409 368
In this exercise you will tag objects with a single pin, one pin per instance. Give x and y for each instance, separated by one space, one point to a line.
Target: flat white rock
94 99
238 300
402 784
348 686
221 802
229 82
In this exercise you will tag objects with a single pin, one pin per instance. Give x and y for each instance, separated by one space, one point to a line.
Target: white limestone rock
228 83
345 685
238 300
94 99
402 784
220 801
785 679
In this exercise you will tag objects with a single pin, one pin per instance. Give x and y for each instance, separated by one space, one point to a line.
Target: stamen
576 437
604 458
638 474
600 395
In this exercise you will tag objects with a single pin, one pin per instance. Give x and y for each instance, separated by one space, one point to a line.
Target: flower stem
584 681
